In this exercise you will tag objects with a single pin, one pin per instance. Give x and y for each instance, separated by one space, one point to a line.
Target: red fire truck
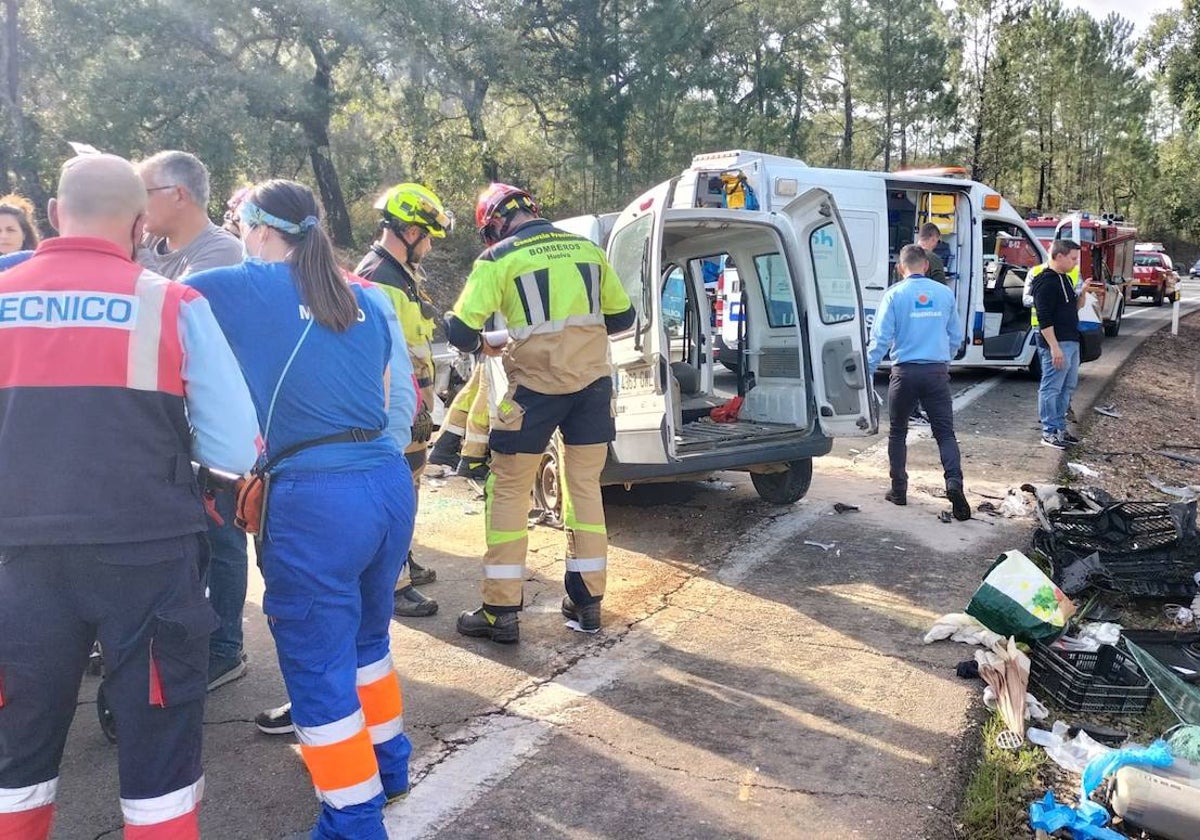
1106 255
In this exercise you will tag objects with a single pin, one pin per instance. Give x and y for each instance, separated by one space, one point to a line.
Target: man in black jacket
1057 307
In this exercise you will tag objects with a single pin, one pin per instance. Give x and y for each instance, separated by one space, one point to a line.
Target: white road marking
490 749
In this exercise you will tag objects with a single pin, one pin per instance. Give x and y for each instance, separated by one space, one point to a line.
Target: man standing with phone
1057 310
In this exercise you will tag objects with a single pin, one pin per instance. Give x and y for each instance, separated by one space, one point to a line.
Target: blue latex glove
1088 823
1157 754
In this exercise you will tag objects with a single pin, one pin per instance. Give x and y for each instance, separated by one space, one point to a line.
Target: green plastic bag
1017 599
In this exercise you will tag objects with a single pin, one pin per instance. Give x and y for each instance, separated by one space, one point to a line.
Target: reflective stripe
141 371
352 794
28 798
582 526
341 765
381 700
531 296
331 733
504 571
454 430
548 327
591 279
586 564
367 674
162 808
381 733
475 437
501 537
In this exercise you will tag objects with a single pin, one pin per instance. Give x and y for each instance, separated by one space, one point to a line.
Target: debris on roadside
1082 470
1188 493
1109 410
839 507
820 545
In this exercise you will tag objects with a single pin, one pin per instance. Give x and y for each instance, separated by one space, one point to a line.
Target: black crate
1125 527
1108 680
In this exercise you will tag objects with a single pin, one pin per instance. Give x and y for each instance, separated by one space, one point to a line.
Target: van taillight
719 304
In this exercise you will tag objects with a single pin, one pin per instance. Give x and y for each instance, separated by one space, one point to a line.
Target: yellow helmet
413 204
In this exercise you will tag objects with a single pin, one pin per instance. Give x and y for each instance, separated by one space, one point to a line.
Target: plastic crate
1108 680
1125 527
1156 573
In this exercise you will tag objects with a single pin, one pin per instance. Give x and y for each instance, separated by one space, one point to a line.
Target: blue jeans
1058 386
228 567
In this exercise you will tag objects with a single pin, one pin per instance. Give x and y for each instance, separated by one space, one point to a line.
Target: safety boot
588 615
445 450
501 627
410 603
958 500
420 575
476 468
898 495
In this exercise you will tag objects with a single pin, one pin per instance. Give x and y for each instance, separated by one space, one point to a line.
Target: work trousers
1057 386
417 455
469 415
928 384
152 620
228 565
525 423
333 548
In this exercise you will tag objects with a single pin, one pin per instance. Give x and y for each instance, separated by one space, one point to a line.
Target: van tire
1111 328
786 487
547 485
1158 295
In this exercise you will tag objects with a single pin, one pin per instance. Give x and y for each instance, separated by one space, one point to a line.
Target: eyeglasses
156 189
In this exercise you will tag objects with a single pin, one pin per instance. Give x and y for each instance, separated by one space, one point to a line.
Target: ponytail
291 209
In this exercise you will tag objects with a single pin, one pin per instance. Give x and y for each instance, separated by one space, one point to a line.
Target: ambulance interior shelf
1008 256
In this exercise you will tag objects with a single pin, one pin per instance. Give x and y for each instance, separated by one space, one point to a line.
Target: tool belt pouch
251 510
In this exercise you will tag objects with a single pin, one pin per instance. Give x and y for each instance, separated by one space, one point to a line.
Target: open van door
644 410
834 317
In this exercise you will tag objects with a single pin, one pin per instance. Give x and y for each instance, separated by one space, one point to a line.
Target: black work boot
409 603
897 495
476 468
958 500
445 450
421 575
587 615
501 627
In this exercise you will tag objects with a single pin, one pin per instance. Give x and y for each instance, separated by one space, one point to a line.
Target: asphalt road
760 672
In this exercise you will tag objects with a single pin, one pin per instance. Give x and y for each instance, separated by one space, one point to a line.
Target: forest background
588 102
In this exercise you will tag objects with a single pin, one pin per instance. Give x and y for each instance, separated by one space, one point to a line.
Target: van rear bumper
743 458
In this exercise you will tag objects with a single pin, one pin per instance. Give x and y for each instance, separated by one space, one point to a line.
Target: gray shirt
213 248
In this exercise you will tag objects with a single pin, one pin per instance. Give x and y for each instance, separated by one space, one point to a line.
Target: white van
803 380
986 245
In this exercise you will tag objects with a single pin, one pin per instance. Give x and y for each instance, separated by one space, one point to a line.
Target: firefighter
329 373
411 217
560 299
121 381
463 442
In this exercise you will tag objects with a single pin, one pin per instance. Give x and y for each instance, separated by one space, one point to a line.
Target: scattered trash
1088 821
1017 599
1158 754
1034 710
1189 492
1164 801
960 627
1076 468
838 507
1006 671
945 516
1070 753
1182 699
1109 410
820 545
1178 456
574 625
899 548
968 669
988 507
1179 615
728 412
1107 680
1014 504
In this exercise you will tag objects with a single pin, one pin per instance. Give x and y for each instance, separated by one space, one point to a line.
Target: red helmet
498 201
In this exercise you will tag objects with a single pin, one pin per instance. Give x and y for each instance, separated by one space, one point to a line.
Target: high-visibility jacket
1027 291
413 306
553 289
112 378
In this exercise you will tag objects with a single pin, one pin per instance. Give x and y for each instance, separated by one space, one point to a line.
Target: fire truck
1106 256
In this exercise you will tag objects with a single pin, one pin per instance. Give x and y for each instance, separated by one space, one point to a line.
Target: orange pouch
251 509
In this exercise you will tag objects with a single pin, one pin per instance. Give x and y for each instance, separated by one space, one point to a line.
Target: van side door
833 315
644 409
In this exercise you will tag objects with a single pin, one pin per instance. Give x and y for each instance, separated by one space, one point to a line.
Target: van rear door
644 410
834 317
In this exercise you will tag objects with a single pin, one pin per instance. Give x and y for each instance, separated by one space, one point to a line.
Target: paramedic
125 380
330 377
560 300
916 322
929 237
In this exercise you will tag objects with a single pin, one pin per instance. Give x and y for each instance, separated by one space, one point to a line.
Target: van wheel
547 488
1111 328
786 487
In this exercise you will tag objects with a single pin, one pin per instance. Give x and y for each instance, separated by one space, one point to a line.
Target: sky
1139 12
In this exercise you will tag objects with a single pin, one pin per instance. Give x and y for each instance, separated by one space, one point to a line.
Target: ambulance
986 246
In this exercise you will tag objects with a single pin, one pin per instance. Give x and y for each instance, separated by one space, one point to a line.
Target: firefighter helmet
499 201
413 204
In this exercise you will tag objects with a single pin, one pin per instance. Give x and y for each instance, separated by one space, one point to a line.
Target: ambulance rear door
834 319
644 410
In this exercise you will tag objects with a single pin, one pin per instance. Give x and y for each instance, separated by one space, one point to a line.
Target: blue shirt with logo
335 382
13 259
917 321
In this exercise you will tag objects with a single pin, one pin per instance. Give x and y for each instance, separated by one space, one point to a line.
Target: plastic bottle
1162 800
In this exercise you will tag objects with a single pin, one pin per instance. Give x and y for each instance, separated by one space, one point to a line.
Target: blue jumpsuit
339 522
